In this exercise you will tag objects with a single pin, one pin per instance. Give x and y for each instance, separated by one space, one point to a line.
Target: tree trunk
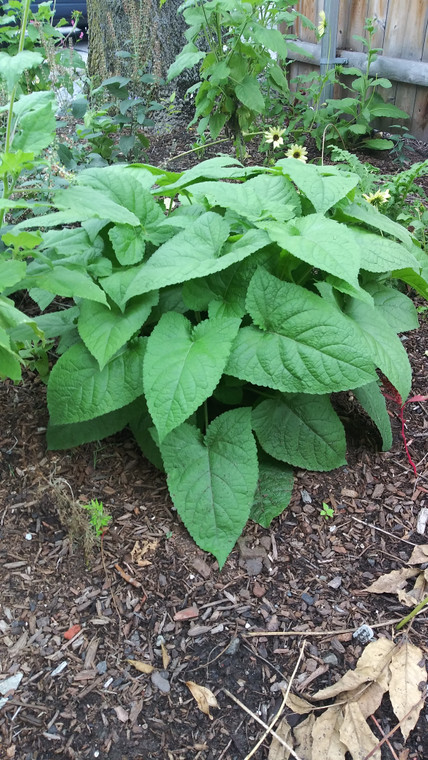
152 36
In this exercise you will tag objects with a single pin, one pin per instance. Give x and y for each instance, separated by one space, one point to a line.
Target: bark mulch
146 593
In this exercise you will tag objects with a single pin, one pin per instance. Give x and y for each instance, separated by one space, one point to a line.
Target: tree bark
153 37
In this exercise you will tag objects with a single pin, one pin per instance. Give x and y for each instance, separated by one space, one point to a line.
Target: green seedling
326 511
97 517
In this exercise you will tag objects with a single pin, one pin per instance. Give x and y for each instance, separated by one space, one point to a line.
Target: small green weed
326 511
97 517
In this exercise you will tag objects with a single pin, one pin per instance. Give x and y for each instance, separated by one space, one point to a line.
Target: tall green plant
218 332
235 44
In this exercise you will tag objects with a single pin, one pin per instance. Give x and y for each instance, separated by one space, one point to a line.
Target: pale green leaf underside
305 344
212 480
69 283
380 254
105 330
78 390
396 308
302 430
183 365
372 400
322 242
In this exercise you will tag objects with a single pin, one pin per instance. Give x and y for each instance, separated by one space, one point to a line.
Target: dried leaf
143 667
188 614
277 751
298 704
356 735
204 697
371 666
140 549
326 736
166 659
303 736
392 582
413 597
368 697
407 673
419 555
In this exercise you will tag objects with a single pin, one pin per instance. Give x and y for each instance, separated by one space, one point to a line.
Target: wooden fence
402 34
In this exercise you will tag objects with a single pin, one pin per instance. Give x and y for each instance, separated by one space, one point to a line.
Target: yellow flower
274 136
297 151
377 198
322 25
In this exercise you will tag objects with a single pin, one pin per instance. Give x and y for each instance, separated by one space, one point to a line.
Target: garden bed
149 594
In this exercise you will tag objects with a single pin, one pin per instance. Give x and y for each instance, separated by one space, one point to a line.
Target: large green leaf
36 129
264 196
271 39
305 344
128 243
69 283
273 492
78 390
385 346
105 330
381 254
185 60
183 365
76 433
368 214
11 272
212 479
141 424
323 186
9 362
13 66
301 430
249 93
86 203
320 242
397 309
417 279
372 400
193 252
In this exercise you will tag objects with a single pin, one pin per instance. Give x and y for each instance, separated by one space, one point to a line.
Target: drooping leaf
212 479
128 243
11 272
69 283
380 254
249 93
323 186
76 433
304 345
273 492
397 309
78 390
183 365
368 214
105 330
372 400
320 242
385 347
141 424
13 66
301 430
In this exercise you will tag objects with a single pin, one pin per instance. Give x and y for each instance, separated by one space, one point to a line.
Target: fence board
402 33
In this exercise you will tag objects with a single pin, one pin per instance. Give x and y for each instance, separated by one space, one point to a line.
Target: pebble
254 566
363 634
306 497
331 659
335 582
233 646
101 667
160 682
308 599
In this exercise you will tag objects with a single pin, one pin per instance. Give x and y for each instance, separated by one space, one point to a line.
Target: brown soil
82 698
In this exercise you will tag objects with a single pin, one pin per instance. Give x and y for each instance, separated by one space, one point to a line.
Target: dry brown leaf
140 549
277 751
204 697
303 736
143 667
298 705
413 597
326 736
407 673
166 659
356 735
419 555
404 754
121 713
392 582
368 697
371 666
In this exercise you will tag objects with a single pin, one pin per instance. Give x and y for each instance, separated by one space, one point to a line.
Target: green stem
412 614
6 189
208 145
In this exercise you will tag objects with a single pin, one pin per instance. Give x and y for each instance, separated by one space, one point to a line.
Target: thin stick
393 730
281 707
391 749
391 535
262 723
329 634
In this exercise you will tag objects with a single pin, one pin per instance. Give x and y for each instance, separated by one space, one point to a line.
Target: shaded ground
82 699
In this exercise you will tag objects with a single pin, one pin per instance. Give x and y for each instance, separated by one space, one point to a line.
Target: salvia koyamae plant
218 332
234 44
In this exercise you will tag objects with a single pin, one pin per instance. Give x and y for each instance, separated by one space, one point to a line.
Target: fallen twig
328 634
